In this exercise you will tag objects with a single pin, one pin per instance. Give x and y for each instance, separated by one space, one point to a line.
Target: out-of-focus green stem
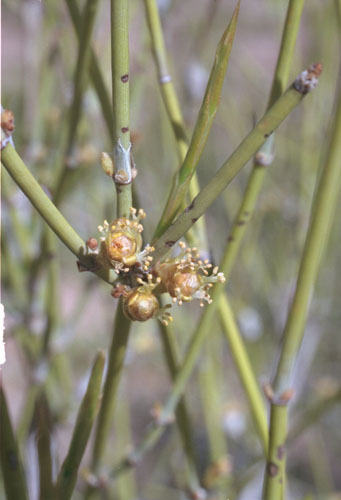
168 93
12 470
95 71
86 415
43 440
115 365
27 183
184 372
247 148
212 403
245 372
125 486
288 42
182 418
317 236
202 127
80 82
59 225
313 413
11 275
51 295
120 95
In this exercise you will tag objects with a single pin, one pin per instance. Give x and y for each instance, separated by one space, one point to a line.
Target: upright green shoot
317 236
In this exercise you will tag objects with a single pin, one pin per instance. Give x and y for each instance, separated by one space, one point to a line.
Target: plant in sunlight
148 278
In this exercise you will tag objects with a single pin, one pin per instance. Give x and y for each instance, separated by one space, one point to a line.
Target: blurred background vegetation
38 60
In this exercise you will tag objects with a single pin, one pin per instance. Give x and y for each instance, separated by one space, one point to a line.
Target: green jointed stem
202 127
12 470
317 236
171 103
248 147
265 155
59 225
115 365
86 416
80 83
274 486
187 366
120 93
95 71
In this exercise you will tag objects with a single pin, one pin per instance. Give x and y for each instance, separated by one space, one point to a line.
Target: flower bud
121 243
140 305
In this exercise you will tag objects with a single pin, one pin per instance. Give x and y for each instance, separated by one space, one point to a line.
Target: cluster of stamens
184 277
121 244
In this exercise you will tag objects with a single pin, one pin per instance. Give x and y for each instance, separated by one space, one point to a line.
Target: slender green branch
120 93
247 148
286 52
86 415
211 385
202 127
182 418
274 485
43 441
51 306
171 103
317 236
95 71
245 371
115 365
59 225
12 470
264 157
167 89
80 83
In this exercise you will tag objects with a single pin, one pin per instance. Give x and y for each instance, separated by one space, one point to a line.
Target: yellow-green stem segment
50 213
115 364
120 94
317 236
247 148
79 86
172 105
245 371
202 127
86 416
11 466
